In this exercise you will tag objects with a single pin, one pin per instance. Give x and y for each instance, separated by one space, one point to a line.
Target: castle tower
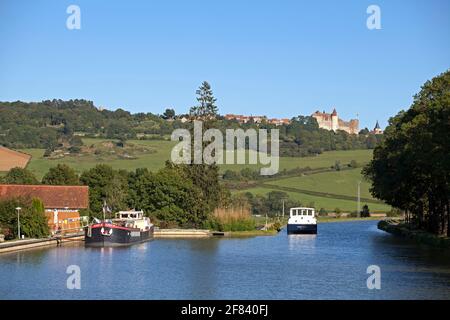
377 129
334 120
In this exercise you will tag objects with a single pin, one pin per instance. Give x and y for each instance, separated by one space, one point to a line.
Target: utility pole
359 199
283 208
18 221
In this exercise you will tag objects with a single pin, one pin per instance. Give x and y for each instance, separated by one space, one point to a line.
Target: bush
323 212
365 213
337 165
353 164
33 222
20 176
394 212
276 226
354 214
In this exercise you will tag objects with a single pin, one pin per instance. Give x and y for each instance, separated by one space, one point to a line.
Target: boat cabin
309 212
129 215
133 219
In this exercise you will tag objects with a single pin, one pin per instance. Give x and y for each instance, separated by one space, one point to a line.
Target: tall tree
105 184
168 195
169 114
205 177
62 175
206 108
410 169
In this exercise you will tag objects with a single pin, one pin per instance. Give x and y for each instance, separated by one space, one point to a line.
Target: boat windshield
302 212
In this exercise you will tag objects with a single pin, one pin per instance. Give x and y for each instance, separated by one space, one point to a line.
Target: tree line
53 124
410 169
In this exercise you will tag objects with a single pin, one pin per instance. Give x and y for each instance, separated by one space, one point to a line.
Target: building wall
332 122
66 221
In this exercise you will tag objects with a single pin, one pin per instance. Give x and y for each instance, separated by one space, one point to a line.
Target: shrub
365 213
276 226
353 164
33 222
354 214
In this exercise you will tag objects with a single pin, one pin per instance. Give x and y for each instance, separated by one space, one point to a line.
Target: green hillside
324 160
329 190
337 182
152 160
160 152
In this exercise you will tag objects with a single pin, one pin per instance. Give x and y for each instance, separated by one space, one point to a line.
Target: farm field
328 203
324 160
153 160
336 182
160 152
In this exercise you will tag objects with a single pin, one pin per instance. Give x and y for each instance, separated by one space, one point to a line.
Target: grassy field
153 161
336 182
161 152
329 190
324 160
328 203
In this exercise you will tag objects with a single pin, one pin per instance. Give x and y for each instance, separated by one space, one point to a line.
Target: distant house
11 158
62 203
279 122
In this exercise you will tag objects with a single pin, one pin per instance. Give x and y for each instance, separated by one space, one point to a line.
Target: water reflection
302 242
333 265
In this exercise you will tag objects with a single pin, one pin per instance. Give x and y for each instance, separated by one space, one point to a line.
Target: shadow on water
409 251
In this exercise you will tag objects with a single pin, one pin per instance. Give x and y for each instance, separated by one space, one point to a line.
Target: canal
331 265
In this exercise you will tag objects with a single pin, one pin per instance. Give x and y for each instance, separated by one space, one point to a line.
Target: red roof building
53 197
62 203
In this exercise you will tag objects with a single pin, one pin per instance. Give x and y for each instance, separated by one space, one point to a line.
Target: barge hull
302 229
116 238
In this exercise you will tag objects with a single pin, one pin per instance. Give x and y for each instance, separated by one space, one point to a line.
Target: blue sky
279 58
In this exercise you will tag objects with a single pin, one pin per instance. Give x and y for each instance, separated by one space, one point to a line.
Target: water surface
331 265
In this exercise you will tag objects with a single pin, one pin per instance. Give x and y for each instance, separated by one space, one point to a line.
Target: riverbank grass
345 219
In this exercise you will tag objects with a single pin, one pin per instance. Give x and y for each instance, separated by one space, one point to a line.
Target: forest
59 124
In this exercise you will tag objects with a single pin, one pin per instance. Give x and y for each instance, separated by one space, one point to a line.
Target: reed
237 218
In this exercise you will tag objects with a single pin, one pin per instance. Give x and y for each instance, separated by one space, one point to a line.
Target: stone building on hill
331 121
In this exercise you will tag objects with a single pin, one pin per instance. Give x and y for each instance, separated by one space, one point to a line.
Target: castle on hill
331 121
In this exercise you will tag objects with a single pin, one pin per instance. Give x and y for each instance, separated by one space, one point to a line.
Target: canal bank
398 228
19 245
